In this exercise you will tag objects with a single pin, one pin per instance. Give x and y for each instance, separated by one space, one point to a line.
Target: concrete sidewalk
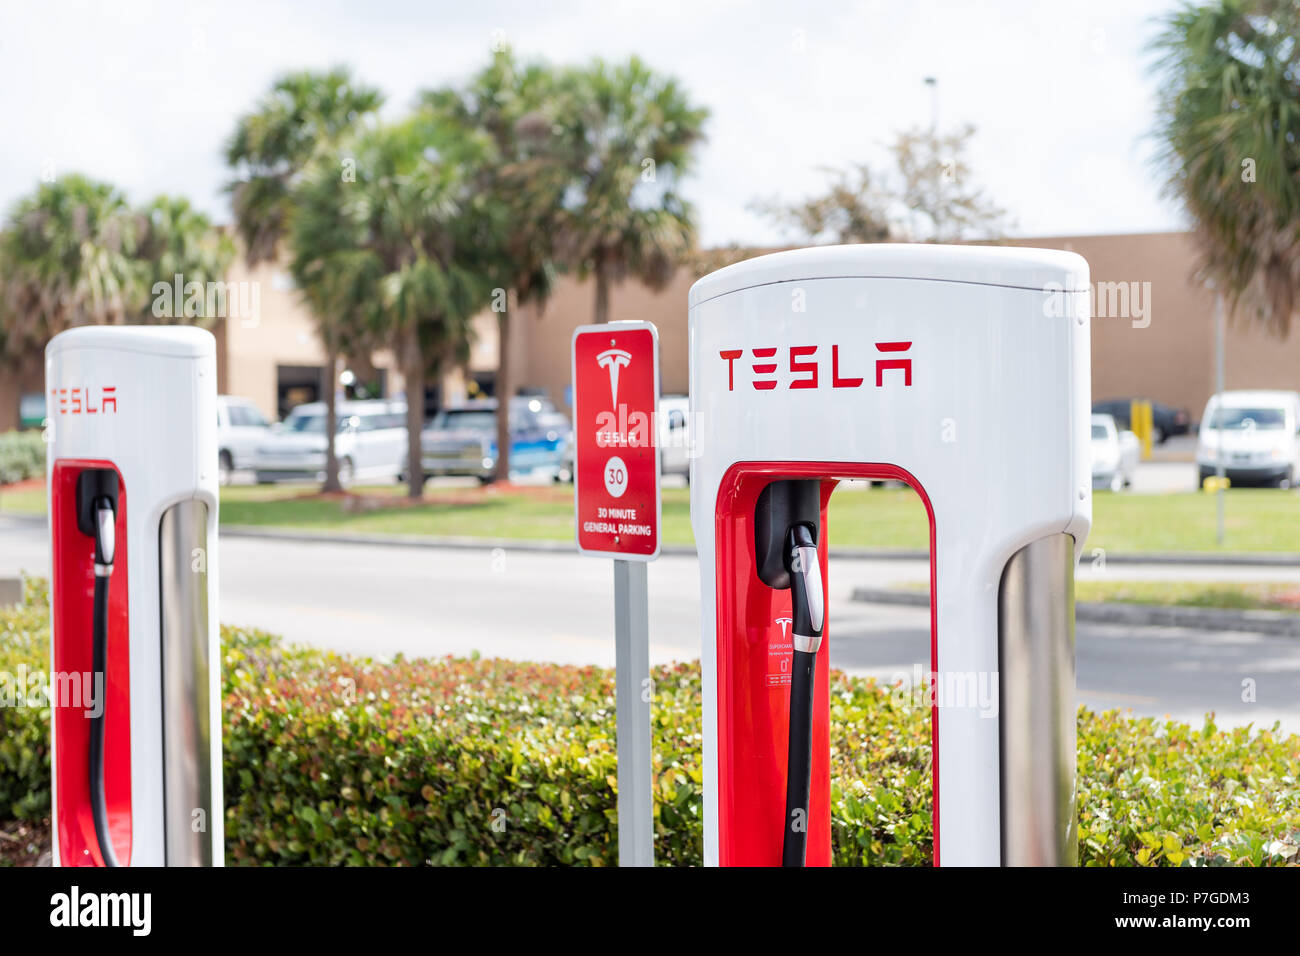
1259 559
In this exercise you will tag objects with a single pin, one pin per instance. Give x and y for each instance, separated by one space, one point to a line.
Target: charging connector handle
105 537
806 583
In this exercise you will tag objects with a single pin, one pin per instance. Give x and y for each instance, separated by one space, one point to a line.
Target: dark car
463 440
1165 419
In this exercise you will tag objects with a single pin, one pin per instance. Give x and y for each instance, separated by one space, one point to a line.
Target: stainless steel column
187 736
633 692
1037 708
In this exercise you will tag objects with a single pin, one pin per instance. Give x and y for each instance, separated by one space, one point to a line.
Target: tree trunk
602 293
504 388
331 421
414 374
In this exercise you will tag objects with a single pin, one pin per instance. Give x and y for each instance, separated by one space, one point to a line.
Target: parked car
1114 454
1253 435
1166 420
674 436
240 430
462 440
370 443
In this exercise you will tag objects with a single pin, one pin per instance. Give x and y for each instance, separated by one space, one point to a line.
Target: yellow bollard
1141 423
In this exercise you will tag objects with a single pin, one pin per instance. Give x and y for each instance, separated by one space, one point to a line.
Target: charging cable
809 616
103 515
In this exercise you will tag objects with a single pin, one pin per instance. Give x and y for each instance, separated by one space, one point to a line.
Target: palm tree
402 244
1229 128
179 240
630 135
69 255
300 122
506 115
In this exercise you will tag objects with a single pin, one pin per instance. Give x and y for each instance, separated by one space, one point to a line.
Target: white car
241 429
371 443
1253 436
1114 455
674 436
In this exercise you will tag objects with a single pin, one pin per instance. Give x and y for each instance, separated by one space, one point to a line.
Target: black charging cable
97 492
808 617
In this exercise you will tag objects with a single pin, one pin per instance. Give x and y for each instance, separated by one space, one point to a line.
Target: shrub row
335 760
22 456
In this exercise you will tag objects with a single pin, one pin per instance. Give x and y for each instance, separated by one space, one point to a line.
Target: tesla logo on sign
613 359
803 362
84 400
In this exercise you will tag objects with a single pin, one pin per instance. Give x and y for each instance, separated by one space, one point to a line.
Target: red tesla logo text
84 400
803 363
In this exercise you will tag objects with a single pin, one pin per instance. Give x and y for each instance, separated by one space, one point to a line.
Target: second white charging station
132 488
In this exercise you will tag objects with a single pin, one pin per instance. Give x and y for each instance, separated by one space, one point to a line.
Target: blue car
461 441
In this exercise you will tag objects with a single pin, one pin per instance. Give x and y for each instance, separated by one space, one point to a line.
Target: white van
241 429
1253 435
675 436
1115 455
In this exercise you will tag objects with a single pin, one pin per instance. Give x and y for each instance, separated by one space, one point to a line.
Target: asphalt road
380 600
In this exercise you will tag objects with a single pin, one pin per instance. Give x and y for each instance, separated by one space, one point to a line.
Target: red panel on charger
71 681
753 671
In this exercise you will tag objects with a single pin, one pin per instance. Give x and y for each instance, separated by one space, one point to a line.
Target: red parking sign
616 447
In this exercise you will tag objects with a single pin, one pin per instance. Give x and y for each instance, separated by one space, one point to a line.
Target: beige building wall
20 377
281 331
1162 349
543 342
1171 357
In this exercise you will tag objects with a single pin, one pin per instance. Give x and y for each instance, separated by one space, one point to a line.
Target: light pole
1221 470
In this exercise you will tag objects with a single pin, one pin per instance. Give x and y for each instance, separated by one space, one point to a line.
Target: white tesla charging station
964 372
132 486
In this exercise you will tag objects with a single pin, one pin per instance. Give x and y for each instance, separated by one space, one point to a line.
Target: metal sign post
632 702
617 509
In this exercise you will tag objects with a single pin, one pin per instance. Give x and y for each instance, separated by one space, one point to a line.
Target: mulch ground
23 843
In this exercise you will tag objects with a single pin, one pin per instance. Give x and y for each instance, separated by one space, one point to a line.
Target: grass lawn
27 498
531 512
1257 520
1240 595
1237 595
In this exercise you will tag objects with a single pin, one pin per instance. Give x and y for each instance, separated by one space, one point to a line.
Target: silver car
370 444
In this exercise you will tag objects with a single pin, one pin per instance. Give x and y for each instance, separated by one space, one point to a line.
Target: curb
1278 623
466 543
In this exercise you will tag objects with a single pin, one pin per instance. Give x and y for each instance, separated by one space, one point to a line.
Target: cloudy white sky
143 93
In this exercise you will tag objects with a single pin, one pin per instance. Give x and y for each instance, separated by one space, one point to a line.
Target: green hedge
336 760
22 456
